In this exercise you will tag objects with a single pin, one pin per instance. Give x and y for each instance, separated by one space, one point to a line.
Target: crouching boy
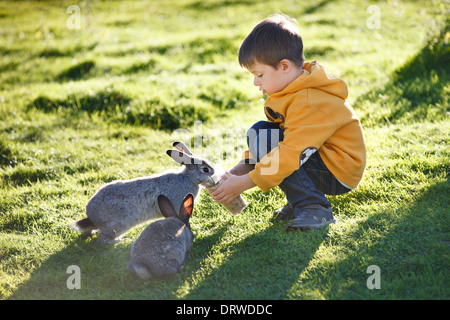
312 143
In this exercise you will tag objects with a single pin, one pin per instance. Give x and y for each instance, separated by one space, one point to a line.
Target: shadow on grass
418 90
409 244
316 7
77 72
103 273
97 278
264 265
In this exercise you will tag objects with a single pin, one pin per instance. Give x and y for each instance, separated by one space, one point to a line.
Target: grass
82 107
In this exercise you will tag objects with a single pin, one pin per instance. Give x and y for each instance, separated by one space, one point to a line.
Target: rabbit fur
120 205
164 245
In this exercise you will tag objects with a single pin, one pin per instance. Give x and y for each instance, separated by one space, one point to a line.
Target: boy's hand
231 187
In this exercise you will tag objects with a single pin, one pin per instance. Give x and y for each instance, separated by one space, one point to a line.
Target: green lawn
82 107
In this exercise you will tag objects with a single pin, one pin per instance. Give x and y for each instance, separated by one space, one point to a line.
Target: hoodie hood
316 77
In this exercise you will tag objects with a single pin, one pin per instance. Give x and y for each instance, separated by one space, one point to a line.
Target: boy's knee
253 132
255 129
260 127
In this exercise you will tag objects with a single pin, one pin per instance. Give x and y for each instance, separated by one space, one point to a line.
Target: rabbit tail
85 226
140 270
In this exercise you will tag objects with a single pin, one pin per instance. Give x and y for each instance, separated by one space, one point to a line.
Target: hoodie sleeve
306 129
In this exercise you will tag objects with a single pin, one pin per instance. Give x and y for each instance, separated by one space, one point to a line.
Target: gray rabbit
120 205
164 245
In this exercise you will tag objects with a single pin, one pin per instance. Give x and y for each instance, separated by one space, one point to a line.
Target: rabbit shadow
100 272
81 270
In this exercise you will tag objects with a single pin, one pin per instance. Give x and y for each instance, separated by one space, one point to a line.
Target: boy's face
268 79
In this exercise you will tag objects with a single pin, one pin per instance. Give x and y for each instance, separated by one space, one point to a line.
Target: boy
313 143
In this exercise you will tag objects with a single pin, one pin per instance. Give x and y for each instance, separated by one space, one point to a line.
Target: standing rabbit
164 245
120 205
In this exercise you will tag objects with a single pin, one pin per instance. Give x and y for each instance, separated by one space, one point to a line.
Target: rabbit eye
206 170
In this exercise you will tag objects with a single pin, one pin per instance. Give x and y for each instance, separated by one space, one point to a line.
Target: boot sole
294 227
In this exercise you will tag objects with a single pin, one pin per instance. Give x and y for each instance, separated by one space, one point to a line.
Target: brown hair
272 40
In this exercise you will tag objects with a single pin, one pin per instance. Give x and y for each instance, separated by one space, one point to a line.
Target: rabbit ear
166 207
182 157
186 208
182 147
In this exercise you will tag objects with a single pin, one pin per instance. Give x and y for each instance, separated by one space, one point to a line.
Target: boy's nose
256 82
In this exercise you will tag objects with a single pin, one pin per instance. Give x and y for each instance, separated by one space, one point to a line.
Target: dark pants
305 186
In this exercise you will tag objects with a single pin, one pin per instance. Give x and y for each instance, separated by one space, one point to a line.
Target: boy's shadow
265 265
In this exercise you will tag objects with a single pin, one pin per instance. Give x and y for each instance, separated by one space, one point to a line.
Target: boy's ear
285 65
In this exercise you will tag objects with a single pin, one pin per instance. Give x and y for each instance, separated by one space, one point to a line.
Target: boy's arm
242 168
306 128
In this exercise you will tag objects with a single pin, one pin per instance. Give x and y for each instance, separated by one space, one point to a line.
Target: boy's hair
272 40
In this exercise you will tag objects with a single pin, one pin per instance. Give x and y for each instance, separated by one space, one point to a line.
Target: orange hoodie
315 115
